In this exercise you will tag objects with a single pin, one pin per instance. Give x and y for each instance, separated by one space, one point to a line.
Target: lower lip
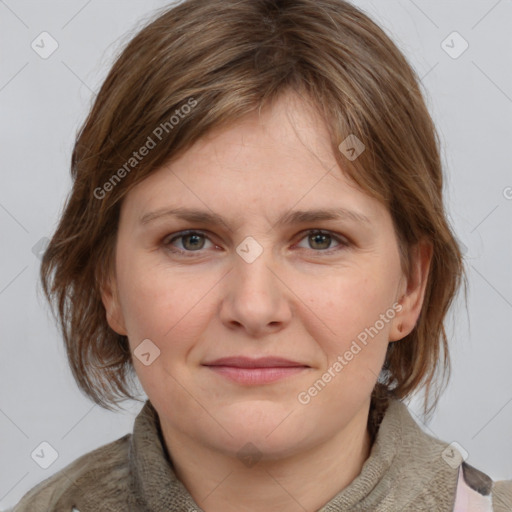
257 376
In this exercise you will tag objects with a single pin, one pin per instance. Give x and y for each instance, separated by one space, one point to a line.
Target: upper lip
248 362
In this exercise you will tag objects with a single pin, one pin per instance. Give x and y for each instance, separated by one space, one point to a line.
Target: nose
255 298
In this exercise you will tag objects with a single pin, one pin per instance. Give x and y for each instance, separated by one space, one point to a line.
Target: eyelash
190 254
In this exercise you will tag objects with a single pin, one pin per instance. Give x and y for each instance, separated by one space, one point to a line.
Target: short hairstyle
202 64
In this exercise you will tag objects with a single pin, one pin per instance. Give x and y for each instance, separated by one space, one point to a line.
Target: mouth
249 371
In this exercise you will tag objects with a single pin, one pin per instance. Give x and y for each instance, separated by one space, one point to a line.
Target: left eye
321 240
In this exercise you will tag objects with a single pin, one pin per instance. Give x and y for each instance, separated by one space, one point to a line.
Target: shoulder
107 465
502 495
434 474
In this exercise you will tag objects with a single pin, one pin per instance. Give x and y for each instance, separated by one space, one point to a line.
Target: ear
110 299
412 290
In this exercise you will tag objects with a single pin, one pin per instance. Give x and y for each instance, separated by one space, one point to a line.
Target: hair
202 64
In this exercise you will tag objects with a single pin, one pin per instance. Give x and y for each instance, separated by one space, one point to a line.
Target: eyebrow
289 218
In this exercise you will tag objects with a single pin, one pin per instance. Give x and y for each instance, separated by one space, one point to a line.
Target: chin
271 430
246 446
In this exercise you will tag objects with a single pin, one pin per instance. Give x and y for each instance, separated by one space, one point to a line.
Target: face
249 277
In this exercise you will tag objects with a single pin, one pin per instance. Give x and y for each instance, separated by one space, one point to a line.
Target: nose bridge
252 265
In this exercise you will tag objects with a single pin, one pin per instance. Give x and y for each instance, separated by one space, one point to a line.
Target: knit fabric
407 470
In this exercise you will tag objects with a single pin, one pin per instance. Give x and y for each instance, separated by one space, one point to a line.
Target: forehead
267 162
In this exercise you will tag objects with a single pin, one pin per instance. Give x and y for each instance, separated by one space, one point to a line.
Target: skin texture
304 299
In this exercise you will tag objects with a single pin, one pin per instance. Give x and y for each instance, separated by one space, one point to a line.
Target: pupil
317 238
194 244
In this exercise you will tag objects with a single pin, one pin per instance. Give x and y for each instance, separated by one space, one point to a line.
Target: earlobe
412 297
114 315
398 329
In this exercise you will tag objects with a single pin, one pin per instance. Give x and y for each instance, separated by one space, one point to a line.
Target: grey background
43 102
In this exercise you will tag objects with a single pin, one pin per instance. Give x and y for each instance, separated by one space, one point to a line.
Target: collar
405 466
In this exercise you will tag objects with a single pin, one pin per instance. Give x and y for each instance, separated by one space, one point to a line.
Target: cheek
144 303
351 316
355 352
163 306
345 302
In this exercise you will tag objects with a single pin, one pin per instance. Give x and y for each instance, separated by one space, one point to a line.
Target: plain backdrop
43 101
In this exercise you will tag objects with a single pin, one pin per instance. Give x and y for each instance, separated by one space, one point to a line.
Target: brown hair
224 59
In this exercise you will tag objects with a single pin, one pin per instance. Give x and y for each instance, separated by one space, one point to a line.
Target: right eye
191 242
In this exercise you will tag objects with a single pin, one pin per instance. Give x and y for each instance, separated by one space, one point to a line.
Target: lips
260 362
255 371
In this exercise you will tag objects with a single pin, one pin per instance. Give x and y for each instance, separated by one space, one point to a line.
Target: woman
256 232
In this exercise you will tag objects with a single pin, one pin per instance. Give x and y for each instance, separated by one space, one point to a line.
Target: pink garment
473 491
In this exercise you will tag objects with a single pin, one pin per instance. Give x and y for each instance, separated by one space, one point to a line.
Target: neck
304 480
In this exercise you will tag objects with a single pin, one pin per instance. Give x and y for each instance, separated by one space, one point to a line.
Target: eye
190 242
320 241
